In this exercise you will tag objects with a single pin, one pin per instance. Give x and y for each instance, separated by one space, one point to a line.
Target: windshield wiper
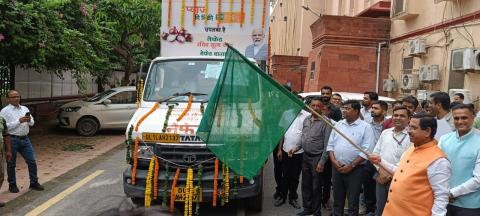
178 94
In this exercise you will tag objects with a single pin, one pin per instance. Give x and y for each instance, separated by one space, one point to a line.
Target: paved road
73 194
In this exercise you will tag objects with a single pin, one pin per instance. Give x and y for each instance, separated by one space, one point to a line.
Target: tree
133 28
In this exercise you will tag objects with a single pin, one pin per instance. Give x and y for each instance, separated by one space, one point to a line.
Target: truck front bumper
238 191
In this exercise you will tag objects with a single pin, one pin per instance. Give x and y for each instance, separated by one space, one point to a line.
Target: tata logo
189 158
190 139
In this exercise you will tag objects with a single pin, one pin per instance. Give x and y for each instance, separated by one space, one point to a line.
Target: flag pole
345 137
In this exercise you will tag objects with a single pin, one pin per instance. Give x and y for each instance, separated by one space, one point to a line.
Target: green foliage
90 36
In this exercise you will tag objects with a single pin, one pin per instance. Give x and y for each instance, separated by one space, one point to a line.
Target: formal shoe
305 213
370 214
294 203
327 206
36 186
276 195
279 201
13 189
2 204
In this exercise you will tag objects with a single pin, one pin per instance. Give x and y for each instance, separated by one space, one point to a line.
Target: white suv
111 109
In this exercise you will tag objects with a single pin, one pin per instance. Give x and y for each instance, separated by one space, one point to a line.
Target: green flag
247 115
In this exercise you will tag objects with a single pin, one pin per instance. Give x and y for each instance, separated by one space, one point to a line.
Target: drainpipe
379 49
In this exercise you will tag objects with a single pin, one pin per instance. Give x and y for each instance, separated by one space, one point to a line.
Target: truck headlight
145 152
71 109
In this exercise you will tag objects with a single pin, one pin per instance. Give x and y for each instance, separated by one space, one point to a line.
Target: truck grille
186 156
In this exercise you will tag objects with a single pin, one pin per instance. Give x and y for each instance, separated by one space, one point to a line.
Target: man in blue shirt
463 151
347 160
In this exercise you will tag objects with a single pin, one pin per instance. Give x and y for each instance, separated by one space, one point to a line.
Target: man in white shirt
390 146
19 120
259 49
290 153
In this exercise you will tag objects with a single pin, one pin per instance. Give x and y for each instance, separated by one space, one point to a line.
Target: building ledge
379 9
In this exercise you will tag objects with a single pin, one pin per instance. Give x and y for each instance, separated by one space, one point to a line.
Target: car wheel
87 126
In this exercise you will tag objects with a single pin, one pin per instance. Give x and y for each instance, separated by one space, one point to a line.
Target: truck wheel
87 126
255 204
139 201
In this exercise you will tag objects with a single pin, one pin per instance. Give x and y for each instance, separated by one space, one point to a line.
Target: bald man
259 49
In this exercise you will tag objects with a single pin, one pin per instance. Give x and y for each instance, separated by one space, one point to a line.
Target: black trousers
277 171
458 211
347 186
369 186
291 168
311 184
327 182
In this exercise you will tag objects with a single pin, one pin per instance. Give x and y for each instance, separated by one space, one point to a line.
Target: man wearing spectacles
19 121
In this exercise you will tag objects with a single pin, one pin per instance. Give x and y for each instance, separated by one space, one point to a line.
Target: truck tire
139 201
87 126
255 204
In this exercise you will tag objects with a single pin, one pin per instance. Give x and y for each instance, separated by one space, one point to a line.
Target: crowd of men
410 161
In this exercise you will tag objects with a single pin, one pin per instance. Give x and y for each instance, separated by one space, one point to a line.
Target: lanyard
399 142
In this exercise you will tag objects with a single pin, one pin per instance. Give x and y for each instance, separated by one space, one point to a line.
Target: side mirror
107 102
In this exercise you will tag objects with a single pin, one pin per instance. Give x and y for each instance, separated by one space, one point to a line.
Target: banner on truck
196 28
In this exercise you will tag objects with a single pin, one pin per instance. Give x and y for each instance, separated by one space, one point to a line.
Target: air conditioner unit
388 85
424 94
476 60
434 72
409 81
466 93
463 59
424 73
438 1
417 46
402 10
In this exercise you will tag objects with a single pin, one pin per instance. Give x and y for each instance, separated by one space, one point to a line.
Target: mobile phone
27 114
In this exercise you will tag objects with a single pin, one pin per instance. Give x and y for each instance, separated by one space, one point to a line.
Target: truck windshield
168 78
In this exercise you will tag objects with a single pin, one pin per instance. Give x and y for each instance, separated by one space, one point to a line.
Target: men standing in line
314 139
290 153
5 147
463 151
378 111
368 98
347 160
19 121
390 147
420 185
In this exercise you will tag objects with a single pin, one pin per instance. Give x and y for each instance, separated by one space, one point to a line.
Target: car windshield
99 96
171 80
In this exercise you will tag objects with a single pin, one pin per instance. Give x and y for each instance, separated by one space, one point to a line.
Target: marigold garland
167 117
227 183
155 179
165 185
135 150
189 193
190 100
199 182
135 161
263 14
269 50
252 11
182 14
241 180
219 12
194 21
206 12
169 19
172 191
215 184
148 183
242 2
222 194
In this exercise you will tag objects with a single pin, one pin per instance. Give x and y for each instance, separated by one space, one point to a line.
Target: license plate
161 137
180 194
